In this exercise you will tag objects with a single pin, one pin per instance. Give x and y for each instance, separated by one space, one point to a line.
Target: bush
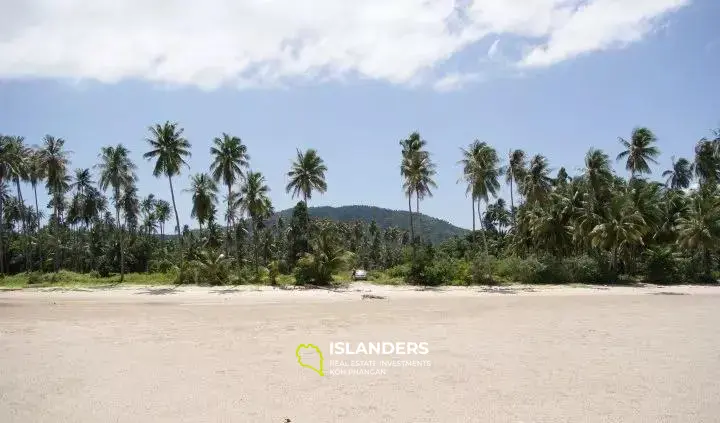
399 271
273 272
447 271
304 271
161 266
585 269
516 269
482 270
210 268
35 278
660 265
94 274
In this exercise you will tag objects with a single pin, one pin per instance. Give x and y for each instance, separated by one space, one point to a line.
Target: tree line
95 221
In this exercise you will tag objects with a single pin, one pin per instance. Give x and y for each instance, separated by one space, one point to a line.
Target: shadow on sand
159 291
668 293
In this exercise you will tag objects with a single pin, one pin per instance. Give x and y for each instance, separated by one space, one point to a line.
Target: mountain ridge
433 229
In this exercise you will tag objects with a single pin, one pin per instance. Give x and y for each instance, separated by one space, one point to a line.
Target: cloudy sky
352 78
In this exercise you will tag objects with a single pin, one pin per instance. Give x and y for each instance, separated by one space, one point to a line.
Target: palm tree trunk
24 224
177 218
473 209
412 230
482 228
37 212
512 202
2 235
227 228
120 237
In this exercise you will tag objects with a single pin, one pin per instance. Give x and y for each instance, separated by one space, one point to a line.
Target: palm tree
162 213
169 149
537 183
230 158
255 201
620 230
204 197
700 230
598 173
15 160
36 173
481 172
639 151
54 163
707 161
117 171
515 173
680 176
414 167
307 174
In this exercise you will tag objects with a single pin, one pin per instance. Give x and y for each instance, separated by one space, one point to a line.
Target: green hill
434 229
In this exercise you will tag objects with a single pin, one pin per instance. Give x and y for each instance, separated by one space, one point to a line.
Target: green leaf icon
302 348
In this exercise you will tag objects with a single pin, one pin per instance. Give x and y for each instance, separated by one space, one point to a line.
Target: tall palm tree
36 173
680 176
620 230
54 163
707 161
230 157
162 213
537 183
169 149
15 163
639 151
255 201
700 230
307 174
414 161
118 172
482 172
598 173
515 173
204 197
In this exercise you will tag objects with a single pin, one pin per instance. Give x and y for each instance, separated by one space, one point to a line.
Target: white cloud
492 51
454 81
269 42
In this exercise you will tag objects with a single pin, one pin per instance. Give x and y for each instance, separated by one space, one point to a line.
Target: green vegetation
592 227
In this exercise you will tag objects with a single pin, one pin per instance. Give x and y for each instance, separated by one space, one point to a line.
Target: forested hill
431 228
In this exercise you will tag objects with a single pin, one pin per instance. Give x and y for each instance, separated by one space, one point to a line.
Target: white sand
522 354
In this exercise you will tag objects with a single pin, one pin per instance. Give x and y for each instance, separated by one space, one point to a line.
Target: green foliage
209 268
483 270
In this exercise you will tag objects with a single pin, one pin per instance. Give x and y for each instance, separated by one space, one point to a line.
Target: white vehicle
359 275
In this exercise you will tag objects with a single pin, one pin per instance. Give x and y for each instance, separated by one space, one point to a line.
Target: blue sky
571 75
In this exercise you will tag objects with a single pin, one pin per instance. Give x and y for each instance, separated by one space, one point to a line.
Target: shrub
208 269
447 271
161 266
273 272
520 270
35 278
660 265
399 271
482 270
94 274
584 269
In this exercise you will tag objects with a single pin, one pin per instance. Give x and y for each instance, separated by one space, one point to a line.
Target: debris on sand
373 297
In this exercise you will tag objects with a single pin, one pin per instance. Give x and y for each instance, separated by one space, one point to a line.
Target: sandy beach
511 354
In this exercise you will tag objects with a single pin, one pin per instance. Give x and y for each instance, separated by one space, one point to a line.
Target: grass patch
65 278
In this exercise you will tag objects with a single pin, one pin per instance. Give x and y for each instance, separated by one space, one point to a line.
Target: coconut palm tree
230 158
169 149
537 183
481 171
117 171
620 230
639 151
412 166
255 202
707 161
204 197
15 160
307 174
515 173
162 213
700 230
54 163
598 173
680 175
36 173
